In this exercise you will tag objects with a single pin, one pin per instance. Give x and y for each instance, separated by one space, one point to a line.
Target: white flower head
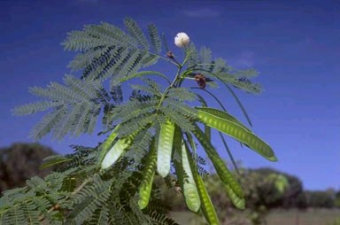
182 39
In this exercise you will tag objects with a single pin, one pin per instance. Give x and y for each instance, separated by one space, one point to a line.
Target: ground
281 217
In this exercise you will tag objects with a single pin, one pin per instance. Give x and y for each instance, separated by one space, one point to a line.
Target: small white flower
182 39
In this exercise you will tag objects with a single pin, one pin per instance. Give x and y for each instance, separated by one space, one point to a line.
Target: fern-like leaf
74 107
155 39
136 32
110 52
89 199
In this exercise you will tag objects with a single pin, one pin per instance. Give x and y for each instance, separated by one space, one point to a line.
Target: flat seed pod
237 201
107 144
148 176
190 191
115 152
164 150
223 172
207 207
235 130
222 114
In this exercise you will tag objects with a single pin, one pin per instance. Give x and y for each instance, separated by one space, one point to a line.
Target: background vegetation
294 206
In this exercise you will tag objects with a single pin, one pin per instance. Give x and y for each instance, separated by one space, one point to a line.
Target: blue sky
294 44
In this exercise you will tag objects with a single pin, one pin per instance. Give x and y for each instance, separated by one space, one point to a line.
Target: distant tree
20 162
337 199
292 197
319 199
263 190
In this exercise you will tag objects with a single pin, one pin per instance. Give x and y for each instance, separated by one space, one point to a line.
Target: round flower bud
182 39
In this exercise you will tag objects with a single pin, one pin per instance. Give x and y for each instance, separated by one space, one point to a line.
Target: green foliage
109 184
108 51
74 107
81 194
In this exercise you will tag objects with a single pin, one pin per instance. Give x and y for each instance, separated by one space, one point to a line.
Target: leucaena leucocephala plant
150 129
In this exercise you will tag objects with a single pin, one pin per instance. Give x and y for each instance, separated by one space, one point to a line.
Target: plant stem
176 81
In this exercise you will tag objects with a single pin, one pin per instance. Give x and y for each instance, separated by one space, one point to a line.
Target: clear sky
294 44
